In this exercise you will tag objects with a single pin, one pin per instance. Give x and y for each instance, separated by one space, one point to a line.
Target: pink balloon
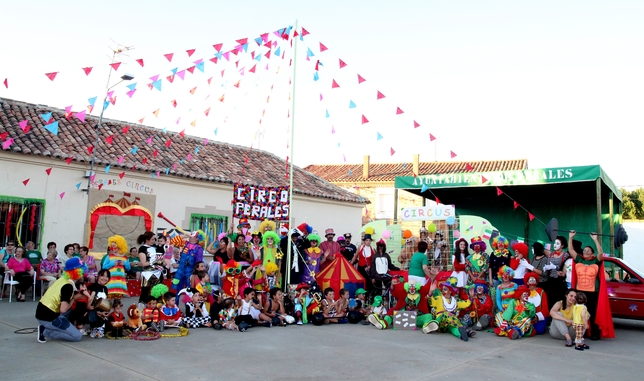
386 234
457 234
248 238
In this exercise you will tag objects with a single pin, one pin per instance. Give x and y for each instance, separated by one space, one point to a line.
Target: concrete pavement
337 352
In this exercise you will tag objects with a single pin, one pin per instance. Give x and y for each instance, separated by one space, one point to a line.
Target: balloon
386 234
402 243
407 234
369 230
457 234
431 228
450 220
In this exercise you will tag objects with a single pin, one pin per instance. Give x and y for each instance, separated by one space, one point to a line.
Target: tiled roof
388 172
215 161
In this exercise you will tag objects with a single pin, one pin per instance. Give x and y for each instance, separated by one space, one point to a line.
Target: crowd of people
250 282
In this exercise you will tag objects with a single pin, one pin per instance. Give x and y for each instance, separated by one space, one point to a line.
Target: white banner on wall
427 213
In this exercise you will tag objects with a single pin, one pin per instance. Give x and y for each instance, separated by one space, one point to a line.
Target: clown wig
159 290
500 243
527 276
521 248
201 237
74 274
267 225
314 237
482 284
506 270
271 268
120 243
270 234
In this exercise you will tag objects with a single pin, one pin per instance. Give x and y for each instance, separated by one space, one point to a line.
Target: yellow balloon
402 242
431 228
369 230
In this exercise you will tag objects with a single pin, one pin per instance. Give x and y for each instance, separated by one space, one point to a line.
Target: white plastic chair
8 280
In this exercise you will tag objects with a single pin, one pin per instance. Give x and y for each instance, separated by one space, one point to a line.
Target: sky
557 83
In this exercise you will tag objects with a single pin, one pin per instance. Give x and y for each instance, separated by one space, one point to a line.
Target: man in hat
297 260
349 249
55 305
329 247
516 321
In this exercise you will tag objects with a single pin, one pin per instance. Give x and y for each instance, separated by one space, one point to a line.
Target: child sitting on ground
342 307
170 313
248 312
116 320
150 316
215 308
205 289
196 313
329 306
274 308
228 314
358 307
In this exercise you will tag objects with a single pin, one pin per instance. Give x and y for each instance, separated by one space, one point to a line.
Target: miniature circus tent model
340 274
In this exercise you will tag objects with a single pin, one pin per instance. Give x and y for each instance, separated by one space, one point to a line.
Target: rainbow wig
120 243
74 274
267 225
505 270
201 237
500 242
270 234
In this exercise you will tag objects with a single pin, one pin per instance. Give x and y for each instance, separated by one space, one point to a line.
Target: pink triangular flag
125 129
364 119
149 140
531 216
360 79
51 76
169 56
468 167
322 47
130 93
218 47
334 84
109 139
452 154
342 64
62 195
190 52
23 124
252 70
69 160
399 111
90 149
483 179
516 204
380 95
80 115
115 65
181 74
154 78
140 61
121 159
392 151
48 171
121 175
432 137
189 157
416 124
26 181
498 191
321 97
7 143
87 70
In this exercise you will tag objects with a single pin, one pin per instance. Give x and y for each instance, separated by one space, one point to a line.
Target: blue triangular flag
327 113
258 40
379 136
167 170
174 71
200 66
246 47
350 173
352 104
258 58
309 52
278 51
424 188
338 145
135 149
288 30
157 84
153 175
132 86
219 55
92 100
78 185
46 116
107 169
52 127
165 130
216 130
196 149
181 161
316 76
106 105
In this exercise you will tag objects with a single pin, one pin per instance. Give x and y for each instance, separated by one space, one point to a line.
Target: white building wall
65 220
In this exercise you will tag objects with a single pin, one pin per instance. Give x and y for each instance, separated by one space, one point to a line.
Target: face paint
557 245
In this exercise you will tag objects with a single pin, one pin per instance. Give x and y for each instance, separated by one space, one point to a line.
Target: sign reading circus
260 202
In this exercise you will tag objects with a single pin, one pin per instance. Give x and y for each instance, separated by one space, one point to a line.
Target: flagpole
289 247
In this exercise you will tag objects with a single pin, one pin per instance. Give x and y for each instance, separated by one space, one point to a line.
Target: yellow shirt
51 299
578 314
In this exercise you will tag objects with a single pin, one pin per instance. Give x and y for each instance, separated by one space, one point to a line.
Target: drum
103 305
150 278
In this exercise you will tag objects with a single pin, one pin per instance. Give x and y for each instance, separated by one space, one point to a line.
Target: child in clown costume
500 257
483 306
272 257
191 254
516 321
445 310
539 300
505 289
476 264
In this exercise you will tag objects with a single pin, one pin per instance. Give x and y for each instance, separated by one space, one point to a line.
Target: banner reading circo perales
260 202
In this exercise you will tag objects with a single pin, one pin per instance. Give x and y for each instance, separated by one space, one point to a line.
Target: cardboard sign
260 202
405 320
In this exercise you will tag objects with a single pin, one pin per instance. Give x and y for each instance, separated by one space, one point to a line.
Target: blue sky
558 83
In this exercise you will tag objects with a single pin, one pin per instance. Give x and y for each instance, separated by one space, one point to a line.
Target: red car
625 289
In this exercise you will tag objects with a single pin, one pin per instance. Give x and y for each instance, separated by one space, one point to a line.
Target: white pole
289 249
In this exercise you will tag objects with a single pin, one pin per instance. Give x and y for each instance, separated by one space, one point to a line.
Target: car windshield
627 265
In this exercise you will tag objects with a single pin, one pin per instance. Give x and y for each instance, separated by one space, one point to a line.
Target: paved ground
312 353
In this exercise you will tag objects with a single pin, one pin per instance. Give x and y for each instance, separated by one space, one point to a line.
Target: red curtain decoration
114 210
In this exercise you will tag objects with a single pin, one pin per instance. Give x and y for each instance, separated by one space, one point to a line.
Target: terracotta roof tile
216 161
350 173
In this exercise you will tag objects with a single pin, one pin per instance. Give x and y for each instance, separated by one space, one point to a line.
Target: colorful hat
519 292
302 286
329 231
305 228
257 233
451 283
73 263
243 222
360 291
340 238
314 237
529 275
458 242
200 235
477 240
521 248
